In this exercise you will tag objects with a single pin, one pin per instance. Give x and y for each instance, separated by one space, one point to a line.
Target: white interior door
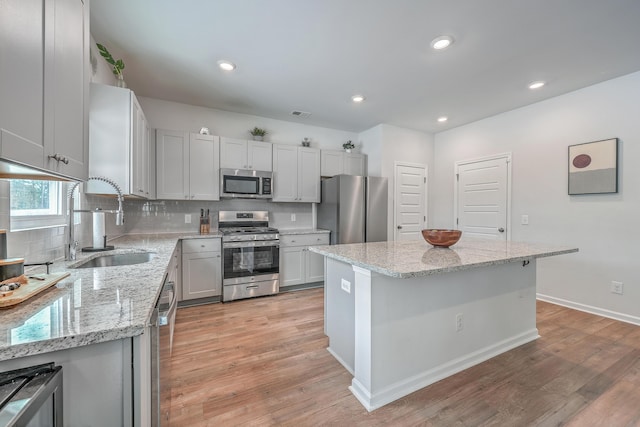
483 192
409 201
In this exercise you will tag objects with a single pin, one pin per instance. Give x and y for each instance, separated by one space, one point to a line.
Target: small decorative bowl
441 238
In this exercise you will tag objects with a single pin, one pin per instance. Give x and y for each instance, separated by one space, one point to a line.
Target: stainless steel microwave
242 183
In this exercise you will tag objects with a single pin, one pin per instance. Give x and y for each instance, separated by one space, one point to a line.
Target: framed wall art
593 167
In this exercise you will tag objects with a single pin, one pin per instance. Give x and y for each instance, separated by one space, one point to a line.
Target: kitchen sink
114 260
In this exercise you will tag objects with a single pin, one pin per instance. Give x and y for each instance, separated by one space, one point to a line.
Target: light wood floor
264 362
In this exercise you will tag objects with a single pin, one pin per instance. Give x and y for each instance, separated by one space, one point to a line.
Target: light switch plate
187 218
524 220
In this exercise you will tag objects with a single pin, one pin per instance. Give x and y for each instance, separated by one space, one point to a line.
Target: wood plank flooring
263 362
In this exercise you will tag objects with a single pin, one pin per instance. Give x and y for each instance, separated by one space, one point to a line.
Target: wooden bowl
441 238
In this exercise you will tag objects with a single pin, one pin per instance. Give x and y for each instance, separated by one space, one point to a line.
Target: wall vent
301 114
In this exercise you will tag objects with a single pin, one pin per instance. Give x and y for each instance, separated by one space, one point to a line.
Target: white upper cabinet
335 162
187 166
172 154
296 174
44 69
119 142
243 154
204 167
354 164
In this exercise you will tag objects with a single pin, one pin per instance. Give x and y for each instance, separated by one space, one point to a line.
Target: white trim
395 198
507 157
402 388
634 320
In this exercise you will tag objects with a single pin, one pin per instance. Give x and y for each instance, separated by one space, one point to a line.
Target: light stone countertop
408 259
92 305
299 231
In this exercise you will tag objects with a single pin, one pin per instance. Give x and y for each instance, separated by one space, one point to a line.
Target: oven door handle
251 244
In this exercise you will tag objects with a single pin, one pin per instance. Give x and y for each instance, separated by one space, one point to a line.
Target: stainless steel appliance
31 396
251 260
354 208
248 184
163 322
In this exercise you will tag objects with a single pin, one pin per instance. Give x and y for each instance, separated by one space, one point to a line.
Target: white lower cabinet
298 265
201 268
101 382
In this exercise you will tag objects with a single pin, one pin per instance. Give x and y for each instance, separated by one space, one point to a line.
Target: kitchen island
403 315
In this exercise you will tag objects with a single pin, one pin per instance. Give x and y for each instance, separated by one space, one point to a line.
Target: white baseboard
342 362
400 389
590 309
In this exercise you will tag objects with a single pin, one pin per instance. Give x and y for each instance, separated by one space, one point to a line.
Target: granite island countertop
92 305
406 259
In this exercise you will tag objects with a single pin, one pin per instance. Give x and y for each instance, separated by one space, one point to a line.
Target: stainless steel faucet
72 244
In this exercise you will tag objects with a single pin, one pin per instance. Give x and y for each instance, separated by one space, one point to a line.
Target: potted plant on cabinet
258 133
118 65
348 146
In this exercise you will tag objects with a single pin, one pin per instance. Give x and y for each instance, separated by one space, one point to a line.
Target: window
37 204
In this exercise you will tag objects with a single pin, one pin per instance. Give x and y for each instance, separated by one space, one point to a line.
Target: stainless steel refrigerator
354 208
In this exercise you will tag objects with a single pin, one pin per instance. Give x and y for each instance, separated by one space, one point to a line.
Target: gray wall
602 226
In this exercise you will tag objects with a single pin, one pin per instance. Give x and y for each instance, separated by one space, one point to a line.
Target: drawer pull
253 287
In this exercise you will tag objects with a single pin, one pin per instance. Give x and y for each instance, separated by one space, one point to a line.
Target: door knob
501 230
399 227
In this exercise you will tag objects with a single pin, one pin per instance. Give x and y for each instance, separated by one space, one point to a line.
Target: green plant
348 145
118 65
256 131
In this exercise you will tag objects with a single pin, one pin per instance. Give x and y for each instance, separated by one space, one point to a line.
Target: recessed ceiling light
441 42
443 119
226 65
536 85
358 98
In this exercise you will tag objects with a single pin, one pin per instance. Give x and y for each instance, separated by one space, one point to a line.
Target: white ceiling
313 55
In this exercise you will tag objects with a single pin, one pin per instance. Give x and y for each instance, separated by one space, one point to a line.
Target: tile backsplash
169 215
141 216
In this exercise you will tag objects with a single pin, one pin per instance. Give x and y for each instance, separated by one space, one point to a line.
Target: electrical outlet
459 322
617 287
293 217
524 220
346 286
187 218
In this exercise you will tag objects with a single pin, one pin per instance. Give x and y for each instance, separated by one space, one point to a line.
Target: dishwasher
31 396
162 325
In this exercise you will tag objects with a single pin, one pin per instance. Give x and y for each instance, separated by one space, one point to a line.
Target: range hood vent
301 114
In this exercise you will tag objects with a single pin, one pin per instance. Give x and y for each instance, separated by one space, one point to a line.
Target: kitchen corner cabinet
119 145
334 162
243 154
201 268
187 166
297 264
296 174
44 69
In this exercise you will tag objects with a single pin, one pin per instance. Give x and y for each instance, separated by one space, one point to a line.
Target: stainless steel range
251 261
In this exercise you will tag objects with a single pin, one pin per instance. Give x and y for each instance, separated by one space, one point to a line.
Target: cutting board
32 288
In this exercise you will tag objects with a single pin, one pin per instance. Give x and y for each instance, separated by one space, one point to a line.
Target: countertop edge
437 270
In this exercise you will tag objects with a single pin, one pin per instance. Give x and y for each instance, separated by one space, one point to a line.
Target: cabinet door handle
58 158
